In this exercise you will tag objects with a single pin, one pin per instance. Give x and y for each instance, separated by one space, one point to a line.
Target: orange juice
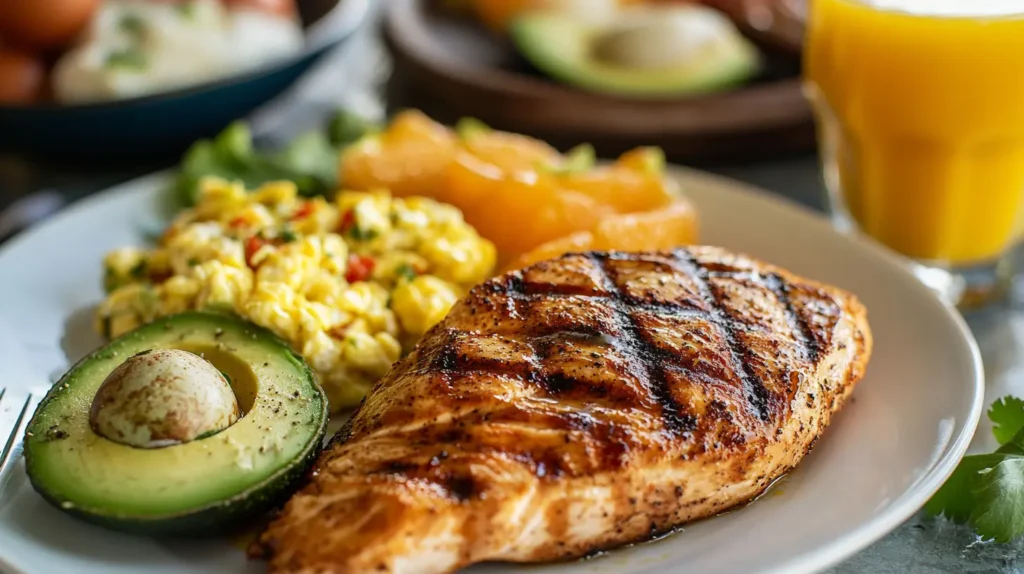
920 107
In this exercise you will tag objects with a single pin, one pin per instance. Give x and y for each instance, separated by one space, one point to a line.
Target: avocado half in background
85 453
645 51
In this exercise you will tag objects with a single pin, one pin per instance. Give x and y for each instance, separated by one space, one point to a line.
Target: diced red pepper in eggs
304 210
360 268
252 246
348 219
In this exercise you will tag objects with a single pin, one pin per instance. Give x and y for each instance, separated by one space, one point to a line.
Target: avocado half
566 47
198 487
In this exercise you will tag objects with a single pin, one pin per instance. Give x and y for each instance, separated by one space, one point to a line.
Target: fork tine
9 415
14 444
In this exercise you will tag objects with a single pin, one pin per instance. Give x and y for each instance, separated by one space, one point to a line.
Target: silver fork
15 411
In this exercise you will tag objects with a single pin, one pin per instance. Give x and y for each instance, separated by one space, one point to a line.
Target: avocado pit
163 397
659 37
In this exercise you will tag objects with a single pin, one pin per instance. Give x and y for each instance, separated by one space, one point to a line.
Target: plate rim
867 532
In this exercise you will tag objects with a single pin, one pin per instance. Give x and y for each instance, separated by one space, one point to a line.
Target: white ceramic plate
908 424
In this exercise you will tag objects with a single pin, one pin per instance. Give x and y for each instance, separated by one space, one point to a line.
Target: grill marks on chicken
579 404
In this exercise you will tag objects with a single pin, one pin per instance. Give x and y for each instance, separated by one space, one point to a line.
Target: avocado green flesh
562 48
235 471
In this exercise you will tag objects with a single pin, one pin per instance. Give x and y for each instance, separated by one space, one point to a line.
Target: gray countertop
353 77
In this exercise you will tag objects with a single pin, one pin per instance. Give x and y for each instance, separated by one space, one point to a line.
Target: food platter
909 422
450 67
113 130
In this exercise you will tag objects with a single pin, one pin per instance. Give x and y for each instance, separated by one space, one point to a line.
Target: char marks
757 393
651 362
651 358
623 330
808 343
600 303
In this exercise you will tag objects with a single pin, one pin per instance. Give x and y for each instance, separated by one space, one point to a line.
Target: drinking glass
920 113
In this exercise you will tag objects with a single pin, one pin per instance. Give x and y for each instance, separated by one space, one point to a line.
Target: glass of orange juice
920 112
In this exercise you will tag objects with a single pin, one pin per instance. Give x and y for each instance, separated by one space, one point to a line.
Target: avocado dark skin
239 513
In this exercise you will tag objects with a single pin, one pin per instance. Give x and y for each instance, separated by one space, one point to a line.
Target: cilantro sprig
1007 416
987 490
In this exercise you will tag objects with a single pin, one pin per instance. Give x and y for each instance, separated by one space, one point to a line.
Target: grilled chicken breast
576 405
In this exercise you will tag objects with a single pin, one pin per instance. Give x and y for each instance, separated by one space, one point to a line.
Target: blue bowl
164 125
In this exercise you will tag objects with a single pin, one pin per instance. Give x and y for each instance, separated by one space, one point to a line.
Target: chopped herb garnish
139 270
406 271
360 234
193 261
128 58
287 235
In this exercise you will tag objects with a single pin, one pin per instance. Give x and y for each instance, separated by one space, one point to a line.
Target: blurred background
93 92
97 92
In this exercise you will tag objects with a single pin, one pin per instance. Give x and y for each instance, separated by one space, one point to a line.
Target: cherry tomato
44 25
22 77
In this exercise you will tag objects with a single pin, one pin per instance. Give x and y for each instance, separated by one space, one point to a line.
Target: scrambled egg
349 284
